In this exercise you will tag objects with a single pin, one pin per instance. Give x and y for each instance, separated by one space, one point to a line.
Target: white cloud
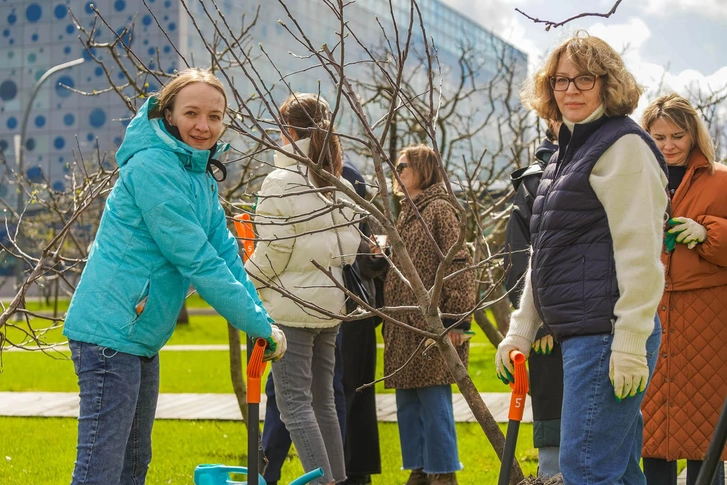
628 37
499 16
705 8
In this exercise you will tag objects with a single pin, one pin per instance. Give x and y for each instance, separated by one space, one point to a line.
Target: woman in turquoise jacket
162 229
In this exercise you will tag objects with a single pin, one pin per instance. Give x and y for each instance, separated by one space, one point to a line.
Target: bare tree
549 24
387 97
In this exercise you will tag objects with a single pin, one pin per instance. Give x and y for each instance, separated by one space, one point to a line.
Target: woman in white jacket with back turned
297 225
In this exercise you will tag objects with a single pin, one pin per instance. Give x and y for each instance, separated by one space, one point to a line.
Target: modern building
75 116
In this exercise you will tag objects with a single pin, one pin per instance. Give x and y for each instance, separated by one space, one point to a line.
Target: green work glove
629 374
277 345
544 345
505 371
688 231
670 238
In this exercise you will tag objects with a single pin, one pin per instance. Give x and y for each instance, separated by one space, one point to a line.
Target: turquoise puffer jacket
162 229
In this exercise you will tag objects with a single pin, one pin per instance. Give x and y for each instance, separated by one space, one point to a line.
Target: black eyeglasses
584 82
401 166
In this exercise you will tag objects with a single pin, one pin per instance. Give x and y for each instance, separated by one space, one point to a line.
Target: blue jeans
601 438
276 439
304 393
426 429
118 403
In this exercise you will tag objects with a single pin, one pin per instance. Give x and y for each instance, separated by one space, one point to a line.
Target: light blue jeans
303 381
118 402
600 442
426 429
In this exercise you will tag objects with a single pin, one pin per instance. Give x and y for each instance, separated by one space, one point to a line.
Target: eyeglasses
583 82
401 166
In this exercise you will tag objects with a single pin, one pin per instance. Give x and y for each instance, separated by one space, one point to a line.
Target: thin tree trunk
183 316
236 374
491 331
501 309
477 405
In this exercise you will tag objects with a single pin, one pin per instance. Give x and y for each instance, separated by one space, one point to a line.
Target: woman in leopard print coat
423 387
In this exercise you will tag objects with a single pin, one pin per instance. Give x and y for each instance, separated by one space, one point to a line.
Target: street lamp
19 142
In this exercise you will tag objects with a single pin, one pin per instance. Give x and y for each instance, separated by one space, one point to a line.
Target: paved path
223 406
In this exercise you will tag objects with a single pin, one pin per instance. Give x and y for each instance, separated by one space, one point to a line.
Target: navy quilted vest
573 268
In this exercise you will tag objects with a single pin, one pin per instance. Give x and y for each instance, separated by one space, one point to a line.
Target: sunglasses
401 166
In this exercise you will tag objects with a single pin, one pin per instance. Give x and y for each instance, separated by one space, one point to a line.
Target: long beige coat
428 368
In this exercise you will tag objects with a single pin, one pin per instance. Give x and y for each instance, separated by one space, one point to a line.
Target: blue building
65 127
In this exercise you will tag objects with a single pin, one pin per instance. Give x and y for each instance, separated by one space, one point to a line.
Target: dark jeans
662 472
118 402
276 439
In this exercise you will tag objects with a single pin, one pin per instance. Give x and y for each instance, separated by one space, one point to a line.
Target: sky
682 42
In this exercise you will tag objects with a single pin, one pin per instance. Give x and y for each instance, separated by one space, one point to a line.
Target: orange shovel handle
243 226
519 388
255 370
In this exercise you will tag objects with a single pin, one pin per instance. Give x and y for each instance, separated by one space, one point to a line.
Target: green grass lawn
190 371
40 451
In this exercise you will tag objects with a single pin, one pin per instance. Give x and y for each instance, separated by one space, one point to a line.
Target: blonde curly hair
619 91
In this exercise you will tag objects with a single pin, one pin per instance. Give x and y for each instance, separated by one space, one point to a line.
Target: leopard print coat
426 368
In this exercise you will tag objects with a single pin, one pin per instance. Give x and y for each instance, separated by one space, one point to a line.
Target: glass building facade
66 126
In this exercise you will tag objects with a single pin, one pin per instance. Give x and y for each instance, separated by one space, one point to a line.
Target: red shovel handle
519 388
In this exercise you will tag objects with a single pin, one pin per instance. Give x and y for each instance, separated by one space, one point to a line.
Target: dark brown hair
308 115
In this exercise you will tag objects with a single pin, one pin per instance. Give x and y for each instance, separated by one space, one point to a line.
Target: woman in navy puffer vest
595 277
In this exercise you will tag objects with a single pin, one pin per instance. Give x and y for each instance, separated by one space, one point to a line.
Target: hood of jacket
144 133
545 150
283 161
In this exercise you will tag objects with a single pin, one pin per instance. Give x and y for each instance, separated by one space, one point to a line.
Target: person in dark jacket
357 346
517 233
162 229
595 276
546 364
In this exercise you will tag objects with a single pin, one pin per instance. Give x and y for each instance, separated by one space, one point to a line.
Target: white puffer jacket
302 232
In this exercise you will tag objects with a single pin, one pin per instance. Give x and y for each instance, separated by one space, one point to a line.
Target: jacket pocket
141 302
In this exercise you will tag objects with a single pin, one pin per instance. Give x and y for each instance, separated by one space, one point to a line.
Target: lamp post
19 143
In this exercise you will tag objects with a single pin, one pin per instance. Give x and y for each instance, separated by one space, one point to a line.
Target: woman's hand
277 345
457 337
689 231
544 345
505 370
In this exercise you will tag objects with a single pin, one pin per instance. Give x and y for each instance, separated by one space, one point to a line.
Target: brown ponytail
308 115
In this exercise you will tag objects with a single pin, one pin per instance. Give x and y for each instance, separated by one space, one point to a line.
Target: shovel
519 390
219 474
716 446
